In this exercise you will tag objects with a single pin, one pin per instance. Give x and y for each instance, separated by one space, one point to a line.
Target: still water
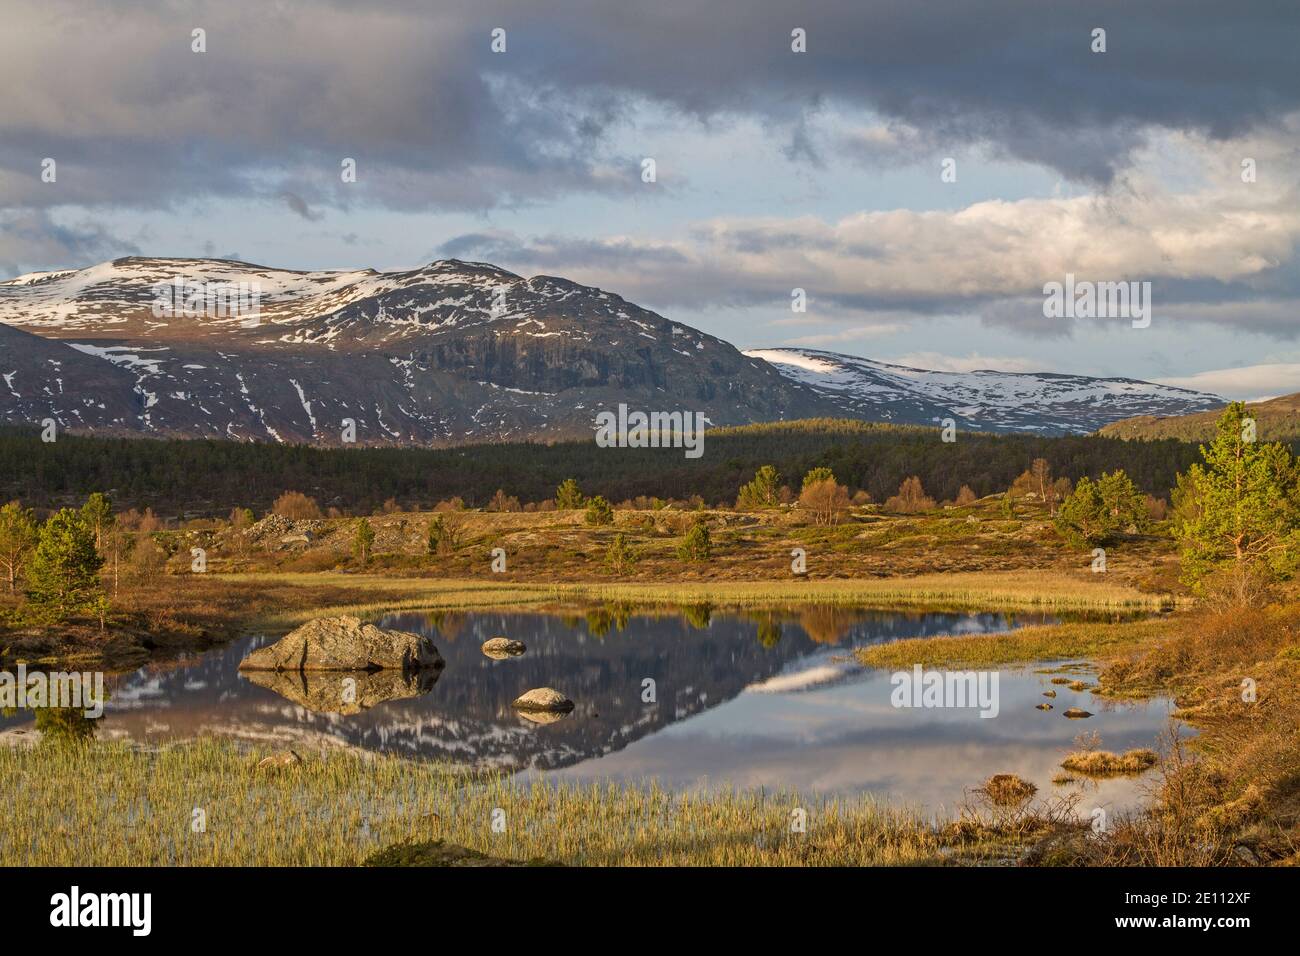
692 699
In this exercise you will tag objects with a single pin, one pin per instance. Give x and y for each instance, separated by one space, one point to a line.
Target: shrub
599 512
825 500
911 498
443 534
503 502
619 557
296 506
696 545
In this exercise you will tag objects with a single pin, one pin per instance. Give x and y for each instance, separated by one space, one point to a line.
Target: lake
689 698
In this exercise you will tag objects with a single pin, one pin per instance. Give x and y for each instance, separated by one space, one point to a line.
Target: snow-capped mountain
451 352
448 353
985 400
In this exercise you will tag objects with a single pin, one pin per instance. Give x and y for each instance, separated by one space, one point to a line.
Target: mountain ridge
448 353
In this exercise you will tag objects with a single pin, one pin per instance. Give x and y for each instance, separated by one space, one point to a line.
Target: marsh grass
1103 763
107 804
1006 590
1046 642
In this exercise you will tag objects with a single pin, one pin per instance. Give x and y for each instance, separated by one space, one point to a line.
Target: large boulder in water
344 644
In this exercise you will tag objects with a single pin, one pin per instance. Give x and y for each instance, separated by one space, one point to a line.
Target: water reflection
692 698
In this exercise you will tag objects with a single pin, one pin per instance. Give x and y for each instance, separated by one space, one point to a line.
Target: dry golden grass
1046 642
1103 763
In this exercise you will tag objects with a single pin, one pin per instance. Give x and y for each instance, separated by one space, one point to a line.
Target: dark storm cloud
433 118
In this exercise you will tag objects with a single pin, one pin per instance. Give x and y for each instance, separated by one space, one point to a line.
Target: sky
919 170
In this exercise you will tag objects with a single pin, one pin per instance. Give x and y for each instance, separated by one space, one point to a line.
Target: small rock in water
1043 706
1074 713
1049 693
501 647
545 700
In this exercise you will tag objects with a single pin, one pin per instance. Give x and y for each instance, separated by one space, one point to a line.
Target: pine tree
1096 511
568 496
1237 515
63 574
599 512
362 541
763 492
697 545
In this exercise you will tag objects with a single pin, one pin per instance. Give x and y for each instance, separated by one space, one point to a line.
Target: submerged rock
499 648
344 644
345 692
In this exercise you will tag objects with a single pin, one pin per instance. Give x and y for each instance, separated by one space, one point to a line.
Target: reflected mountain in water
630 674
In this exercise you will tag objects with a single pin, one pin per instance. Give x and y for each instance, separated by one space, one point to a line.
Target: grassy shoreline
1011 590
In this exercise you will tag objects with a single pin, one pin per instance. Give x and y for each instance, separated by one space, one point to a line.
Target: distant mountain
450 353
1277 419
1042 402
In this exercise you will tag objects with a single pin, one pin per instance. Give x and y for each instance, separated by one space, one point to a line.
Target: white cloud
1252 383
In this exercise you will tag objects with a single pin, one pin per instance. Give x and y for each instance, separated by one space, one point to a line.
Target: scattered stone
1043 706
499 648
1074 713
1049 693
344 644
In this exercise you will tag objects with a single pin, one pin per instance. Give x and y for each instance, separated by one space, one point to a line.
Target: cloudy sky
775 169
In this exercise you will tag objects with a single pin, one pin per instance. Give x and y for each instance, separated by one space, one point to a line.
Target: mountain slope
1277 419
449 353
984 400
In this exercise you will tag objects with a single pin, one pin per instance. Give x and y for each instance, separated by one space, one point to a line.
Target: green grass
105 804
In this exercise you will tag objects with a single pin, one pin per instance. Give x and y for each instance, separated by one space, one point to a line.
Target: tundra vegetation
87 580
